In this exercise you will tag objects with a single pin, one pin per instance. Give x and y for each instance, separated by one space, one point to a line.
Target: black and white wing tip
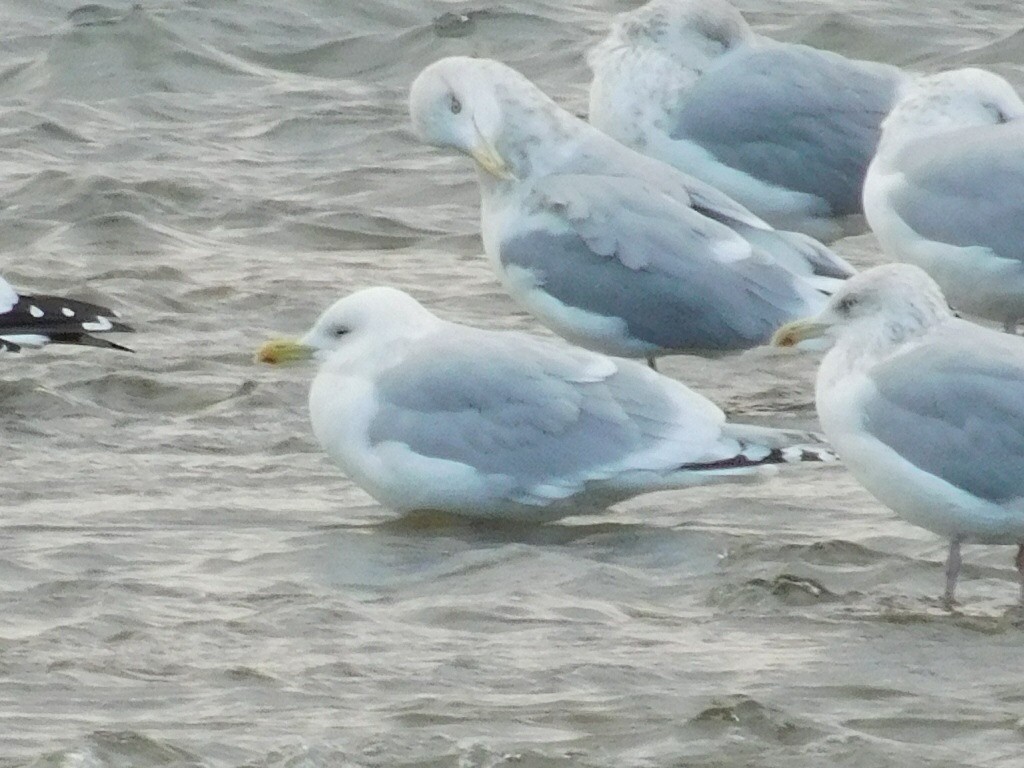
34 321
754 455
758 446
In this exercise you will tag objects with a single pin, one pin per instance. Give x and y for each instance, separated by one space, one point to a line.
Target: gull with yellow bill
926 409
429 415
615 251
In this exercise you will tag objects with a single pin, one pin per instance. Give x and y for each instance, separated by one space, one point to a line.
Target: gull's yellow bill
793 333
489 159
283 351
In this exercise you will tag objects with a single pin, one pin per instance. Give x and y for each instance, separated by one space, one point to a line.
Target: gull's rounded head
454 99
368 319
687 30
382 313
891 290
483 108
948 101
899 301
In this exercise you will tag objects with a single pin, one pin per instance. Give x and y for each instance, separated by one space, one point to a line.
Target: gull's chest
340 410
839 397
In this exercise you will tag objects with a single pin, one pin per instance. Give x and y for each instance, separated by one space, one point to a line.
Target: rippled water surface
185 580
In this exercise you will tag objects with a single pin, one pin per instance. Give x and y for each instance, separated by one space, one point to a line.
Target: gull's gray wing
601 156
792 116
678 279
535 413
955 409
966 189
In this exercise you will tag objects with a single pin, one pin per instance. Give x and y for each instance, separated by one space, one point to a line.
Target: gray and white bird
34 320
925 409
615 251
430 415
944 191
787 130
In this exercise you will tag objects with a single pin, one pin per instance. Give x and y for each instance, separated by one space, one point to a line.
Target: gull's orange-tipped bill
281 351
793 333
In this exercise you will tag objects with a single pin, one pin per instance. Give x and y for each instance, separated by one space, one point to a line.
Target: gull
944 190
786 130
615 251
430 415
925 409
34 320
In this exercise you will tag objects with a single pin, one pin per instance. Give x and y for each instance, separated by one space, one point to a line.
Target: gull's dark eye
846 304
456 105
997 113
339 331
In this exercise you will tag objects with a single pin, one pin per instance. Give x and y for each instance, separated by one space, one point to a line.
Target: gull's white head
884 305
486 110
652 55
691 32
370 319
950 101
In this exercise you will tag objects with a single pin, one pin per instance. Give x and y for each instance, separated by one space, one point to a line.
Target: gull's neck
863 345
901 132
536 139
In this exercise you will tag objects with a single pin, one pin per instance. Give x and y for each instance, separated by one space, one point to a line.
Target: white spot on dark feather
67 312
35 311
99 324
755 453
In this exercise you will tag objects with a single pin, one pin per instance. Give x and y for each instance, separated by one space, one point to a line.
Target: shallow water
185 580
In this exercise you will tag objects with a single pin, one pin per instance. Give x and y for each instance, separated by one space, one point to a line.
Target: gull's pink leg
1019 561
952 569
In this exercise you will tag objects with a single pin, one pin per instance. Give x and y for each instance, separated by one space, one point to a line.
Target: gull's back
964 188
792 116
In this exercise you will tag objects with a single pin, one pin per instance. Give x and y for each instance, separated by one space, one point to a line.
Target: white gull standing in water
429 415
925 409
613 250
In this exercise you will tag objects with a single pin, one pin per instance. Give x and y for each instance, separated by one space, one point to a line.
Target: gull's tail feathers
767 446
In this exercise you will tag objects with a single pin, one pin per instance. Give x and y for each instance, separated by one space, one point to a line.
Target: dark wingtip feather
794 454
61 321
85 340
